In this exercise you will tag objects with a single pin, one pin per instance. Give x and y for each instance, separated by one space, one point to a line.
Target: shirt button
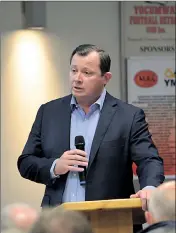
74 174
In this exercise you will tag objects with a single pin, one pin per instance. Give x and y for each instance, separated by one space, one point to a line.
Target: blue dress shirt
85 125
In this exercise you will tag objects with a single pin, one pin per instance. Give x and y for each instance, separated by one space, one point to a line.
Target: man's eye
73 71
87 73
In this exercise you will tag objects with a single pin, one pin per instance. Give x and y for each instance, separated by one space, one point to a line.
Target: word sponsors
151 48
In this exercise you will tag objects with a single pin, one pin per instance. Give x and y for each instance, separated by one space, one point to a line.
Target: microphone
80 145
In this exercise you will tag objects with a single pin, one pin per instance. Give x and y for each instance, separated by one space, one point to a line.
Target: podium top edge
131 203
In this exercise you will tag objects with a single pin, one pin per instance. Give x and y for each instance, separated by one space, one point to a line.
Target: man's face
87 82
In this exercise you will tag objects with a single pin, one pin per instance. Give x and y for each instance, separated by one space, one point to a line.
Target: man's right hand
68 161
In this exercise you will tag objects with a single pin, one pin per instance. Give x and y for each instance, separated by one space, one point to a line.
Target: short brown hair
59 220
85 49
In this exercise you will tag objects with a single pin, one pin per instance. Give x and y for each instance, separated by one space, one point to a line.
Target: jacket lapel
107 113
66 121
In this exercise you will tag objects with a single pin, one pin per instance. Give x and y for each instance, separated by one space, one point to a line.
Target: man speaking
115 135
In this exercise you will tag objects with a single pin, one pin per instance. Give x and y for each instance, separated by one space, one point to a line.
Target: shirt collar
99 102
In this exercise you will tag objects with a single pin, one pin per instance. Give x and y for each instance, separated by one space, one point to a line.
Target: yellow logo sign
169 73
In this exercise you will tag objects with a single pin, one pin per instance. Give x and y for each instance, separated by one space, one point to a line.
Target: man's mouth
77 88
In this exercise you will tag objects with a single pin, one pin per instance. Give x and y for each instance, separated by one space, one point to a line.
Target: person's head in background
59 220
18 216
89 73
161 206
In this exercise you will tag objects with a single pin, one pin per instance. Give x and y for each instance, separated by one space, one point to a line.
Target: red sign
146 78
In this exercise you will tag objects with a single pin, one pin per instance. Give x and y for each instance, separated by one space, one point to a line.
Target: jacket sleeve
144 153
32 163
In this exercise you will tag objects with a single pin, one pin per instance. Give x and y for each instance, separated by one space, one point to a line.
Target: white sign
151 86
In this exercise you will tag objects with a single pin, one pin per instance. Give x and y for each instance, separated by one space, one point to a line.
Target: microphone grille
79 140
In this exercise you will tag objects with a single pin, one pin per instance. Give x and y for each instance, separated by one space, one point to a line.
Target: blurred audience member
59 220
18 216
161 206
161 212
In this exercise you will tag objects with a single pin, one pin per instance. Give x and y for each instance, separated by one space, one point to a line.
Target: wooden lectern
111 216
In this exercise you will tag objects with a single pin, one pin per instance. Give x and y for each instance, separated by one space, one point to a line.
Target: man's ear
148 217
107 77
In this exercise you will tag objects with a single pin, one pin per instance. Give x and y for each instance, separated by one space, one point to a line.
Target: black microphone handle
82 175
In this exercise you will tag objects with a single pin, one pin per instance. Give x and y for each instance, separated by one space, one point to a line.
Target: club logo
146 78
170 77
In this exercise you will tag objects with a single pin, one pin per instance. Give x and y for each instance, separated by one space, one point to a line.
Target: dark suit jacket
121 137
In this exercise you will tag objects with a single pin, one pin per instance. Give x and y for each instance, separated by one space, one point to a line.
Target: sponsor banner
149 28
153 20
151 86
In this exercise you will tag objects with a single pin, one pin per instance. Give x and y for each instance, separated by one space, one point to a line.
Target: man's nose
78 77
